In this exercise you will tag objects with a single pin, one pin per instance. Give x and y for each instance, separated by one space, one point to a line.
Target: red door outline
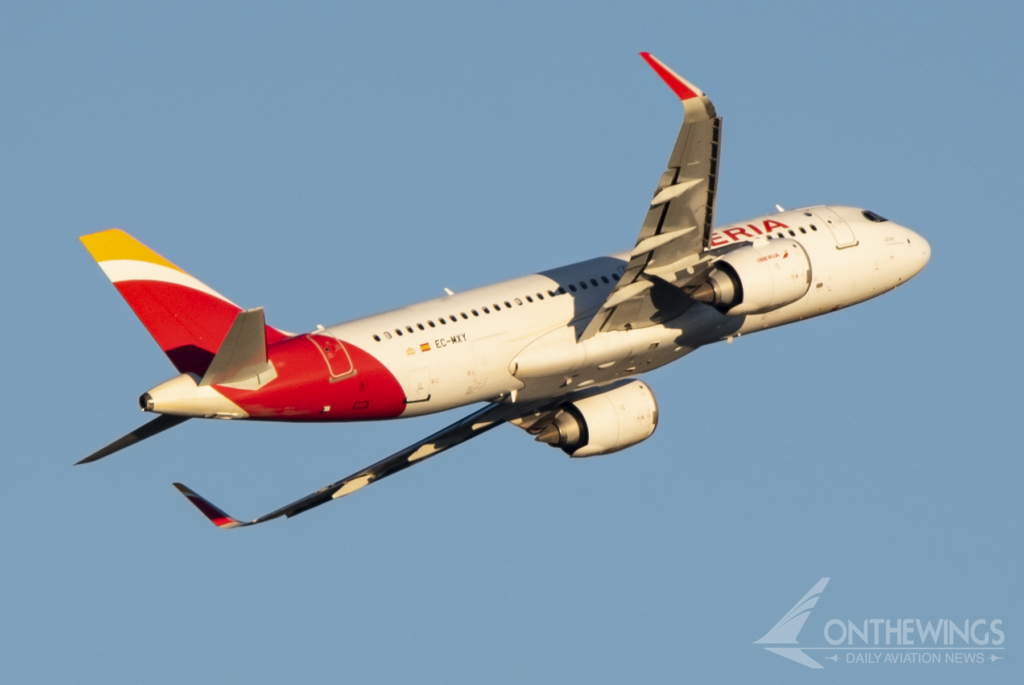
338 360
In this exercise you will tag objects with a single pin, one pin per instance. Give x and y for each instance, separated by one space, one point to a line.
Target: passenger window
463 315
529 299
593 282
507 304
431 324
813 227
409 328
420 326
539 296
583 285
474 312
615 276
803 230
387 335
571 287
399 331
497 307
792 233
376 337
454 319
518 301
442 321
486 310
605 279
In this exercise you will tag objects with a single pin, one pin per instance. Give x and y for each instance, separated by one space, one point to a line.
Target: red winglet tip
680 87
214 514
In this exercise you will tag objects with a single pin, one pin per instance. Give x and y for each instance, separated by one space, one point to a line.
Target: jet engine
757 278
603 420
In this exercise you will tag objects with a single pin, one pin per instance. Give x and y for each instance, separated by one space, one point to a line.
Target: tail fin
187 318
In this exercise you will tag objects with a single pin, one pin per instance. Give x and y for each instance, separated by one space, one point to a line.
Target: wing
459 432
669 253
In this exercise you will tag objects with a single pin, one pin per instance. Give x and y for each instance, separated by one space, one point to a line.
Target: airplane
555 353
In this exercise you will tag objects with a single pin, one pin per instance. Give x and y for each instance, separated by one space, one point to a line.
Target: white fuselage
515 337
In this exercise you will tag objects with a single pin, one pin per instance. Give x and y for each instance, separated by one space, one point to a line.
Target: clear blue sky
329 161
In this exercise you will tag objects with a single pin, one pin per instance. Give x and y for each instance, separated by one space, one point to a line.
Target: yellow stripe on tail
116 244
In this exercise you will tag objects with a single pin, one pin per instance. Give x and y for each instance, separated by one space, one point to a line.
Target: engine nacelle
758 278
603 420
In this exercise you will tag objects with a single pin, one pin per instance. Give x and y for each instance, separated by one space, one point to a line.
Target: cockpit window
871 216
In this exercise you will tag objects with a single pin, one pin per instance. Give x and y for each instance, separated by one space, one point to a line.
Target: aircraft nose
921 252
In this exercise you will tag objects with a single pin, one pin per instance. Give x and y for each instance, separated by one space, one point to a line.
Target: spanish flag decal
425 347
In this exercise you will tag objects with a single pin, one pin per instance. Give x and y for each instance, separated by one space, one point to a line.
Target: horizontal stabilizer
243 354
157 425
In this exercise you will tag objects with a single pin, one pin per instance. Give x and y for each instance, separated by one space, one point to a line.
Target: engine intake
603 420
758 278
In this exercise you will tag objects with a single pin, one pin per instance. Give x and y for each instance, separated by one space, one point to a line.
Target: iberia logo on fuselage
735 235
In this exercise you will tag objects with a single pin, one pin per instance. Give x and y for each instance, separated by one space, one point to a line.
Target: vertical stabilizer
187 318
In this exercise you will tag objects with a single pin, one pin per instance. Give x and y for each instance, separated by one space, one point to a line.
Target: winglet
680 86
216 516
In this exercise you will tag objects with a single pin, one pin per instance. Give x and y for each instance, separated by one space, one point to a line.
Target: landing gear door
841 230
